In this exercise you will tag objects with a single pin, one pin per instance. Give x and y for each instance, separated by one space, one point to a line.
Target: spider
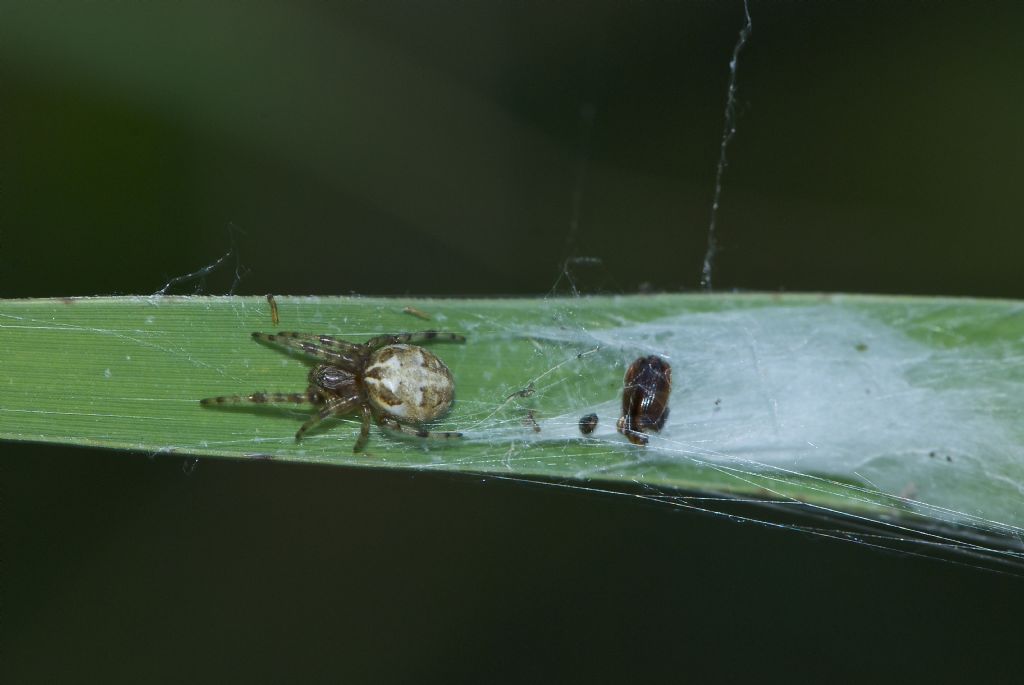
386 378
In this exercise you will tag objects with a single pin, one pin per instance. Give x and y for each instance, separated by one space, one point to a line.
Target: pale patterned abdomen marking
409 382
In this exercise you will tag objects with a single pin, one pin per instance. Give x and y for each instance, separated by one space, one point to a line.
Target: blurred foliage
875 149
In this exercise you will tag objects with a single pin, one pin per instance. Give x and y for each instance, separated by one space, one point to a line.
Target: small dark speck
932 454
588 423
861 347
949 458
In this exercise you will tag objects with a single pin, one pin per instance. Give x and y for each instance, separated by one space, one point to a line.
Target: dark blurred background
451 148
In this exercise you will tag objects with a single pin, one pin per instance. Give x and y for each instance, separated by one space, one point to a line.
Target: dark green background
436 148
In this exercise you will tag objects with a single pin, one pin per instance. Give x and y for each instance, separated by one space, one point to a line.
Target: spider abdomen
409 382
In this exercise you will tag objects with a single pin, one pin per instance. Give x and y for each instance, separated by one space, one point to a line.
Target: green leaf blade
128 373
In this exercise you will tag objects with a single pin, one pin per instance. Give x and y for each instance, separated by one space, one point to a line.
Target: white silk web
902 443
915 442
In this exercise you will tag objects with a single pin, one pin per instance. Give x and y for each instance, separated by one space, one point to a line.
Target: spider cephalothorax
388 379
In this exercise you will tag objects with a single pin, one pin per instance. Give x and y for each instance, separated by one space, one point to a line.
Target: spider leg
333 407
364 430
337 352
310 396
421 336
337 344
391 423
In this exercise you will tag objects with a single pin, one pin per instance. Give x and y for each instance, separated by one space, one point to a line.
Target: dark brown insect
645 391
588 423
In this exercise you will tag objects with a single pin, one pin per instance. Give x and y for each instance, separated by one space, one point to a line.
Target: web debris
570 272
587 116
200 274
729 130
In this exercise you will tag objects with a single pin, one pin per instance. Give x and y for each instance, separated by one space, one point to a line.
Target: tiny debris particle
932 454
949 458
861 347
258 456
588 423
417 313
274 318
909 491
523 392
